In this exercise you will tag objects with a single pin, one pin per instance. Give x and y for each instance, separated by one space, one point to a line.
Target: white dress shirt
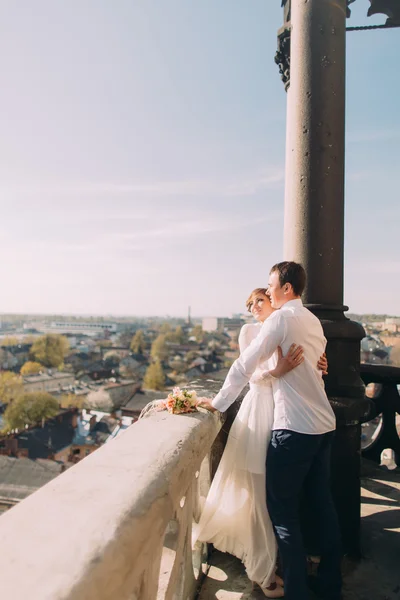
301 403
261 375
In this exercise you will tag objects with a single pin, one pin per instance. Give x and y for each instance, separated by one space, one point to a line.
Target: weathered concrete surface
98 530
375 577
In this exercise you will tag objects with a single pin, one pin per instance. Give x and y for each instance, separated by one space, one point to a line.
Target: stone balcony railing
117 525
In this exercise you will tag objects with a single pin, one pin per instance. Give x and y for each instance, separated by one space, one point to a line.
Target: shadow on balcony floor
375 577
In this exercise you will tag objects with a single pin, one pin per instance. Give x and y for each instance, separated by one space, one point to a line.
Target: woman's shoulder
250 329
249 326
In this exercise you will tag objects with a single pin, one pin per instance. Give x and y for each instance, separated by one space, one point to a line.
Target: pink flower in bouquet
181 401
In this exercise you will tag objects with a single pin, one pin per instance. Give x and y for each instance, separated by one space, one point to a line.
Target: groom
300 449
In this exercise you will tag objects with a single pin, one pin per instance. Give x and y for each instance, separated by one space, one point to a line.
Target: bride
235 517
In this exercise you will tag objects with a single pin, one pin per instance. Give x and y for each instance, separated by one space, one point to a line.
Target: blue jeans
298 463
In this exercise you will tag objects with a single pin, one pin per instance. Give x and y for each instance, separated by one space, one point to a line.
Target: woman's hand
206 403
293 359
322 364
159 404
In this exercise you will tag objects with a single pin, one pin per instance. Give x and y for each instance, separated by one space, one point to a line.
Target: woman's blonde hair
253 295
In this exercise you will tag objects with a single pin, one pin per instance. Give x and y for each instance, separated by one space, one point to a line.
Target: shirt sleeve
262 347
259 374
243 339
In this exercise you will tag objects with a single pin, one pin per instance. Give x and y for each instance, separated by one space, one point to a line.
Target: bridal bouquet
181 401
177 402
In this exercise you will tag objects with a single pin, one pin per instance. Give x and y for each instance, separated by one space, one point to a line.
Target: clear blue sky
142 157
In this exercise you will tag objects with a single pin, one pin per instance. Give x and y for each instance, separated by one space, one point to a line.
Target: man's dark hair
293 273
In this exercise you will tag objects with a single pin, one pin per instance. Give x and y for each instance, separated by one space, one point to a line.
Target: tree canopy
11 386
165 328
50 350
99 400
177 336
159 349
112 355
198 333
71 400
154 378
10 341
138 344
30 409
31 368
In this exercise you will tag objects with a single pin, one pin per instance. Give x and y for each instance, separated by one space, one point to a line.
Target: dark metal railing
385 409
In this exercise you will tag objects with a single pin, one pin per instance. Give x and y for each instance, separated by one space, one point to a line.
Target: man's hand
322 364
293 359
206 403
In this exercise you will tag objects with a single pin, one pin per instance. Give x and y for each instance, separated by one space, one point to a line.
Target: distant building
48 382
34 456
20 477
210 324
134 407
49 442
392 324
221 324
392 321
13 356
91 328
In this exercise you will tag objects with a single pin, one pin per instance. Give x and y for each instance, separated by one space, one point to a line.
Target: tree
138 344
68 400
180 336
30 409
154 378
50 350
105 343
159 349
165 328
177 336
11 386
113 356
10 341
124 339
99 400
198 333
31 368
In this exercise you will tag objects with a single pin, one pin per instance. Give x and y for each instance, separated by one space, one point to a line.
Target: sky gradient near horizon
142 157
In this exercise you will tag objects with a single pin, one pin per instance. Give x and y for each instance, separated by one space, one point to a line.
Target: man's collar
294 302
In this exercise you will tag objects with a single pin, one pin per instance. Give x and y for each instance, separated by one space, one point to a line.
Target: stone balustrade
118 524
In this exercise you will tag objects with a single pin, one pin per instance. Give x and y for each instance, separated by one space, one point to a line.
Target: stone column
314 223
314 199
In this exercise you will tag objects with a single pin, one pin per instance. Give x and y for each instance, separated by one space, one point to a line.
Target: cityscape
86 379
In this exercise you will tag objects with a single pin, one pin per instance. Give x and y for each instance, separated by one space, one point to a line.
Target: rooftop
19 477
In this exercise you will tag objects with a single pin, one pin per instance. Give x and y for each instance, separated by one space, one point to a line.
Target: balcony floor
375 577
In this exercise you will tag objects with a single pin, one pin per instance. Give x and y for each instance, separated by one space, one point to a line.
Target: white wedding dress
235 517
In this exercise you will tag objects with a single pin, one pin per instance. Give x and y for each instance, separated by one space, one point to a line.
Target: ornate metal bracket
348 8
390 8
282 56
